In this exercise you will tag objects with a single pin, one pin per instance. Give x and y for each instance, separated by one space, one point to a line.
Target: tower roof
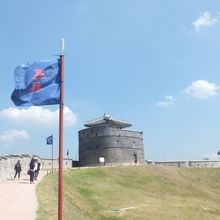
107 120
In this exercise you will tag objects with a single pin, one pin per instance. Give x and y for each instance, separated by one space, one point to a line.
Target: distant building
105 142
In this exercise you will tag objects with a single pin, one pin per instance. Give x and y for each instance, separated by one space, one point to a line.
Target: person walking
38 169
35 169
31 170
17 169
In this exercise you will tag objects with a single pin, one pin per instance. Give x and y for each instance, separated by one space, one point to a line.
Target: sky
155 64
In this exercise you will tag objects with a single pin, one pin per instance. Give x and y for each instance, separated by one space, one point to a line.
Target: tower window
135 158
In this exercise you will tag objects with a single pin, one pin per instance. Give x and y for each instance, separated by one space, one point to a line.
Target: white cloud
201 89
164 104
169 100
39 116
204 20
12 135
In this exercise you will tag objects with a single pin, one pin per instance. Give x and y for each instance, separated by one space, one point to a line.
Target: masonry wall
7 164
114 145
173 163
204 164
192 163
47 163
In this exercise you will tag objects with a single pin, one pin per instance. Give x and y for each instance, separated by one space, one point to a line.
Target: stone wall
47 163
190 163
115 145
7 164
204 163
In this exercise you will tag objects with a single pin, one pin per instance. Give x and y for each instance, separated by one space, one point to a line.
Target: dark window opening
135 158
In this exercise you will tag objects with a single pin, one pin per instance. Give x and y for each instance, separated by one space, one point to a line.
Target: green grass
153 192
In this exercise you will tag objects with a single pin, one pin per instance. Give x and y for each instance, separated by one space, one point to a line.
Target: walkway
18 199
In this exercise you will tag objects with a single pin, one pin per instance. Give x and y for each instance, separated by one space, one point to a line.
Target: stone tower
104 141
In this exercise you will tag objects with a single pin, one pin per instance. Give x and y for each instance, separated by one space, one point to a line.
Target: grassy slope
155 192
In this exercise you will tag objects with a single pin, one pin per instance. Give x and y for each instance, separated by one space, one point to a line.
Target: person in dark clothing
17 169
38 170
31 170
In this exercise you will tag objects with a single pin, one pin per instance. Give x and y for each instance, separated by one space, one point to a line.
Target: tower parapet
108 121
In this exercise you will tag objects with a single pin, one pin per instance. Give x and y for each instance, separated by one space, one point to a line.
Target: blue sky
152 63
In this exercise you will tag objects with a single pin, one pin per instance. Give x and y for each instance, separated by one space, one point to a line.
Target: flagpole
60 186
52 157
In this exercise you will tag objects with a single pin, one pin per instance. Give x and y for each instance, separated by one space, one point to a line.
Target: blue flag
37 84
218 152
50 139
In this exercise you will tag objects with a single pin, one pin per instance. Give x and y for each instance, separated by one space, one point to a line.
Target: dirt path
18 199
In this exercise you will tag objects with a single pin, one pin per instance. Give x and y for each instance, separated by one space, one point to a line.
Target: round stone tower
105 142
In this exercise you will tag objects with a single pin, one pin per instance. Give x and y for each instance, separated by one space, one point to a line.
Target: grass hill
138 192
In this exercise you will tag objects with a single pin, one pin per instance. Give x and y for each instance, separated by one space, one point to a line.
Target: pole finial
62 46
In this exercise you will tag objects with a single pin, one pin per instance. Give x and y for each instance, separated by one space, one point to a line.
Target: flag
218 152
37 84
50 140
